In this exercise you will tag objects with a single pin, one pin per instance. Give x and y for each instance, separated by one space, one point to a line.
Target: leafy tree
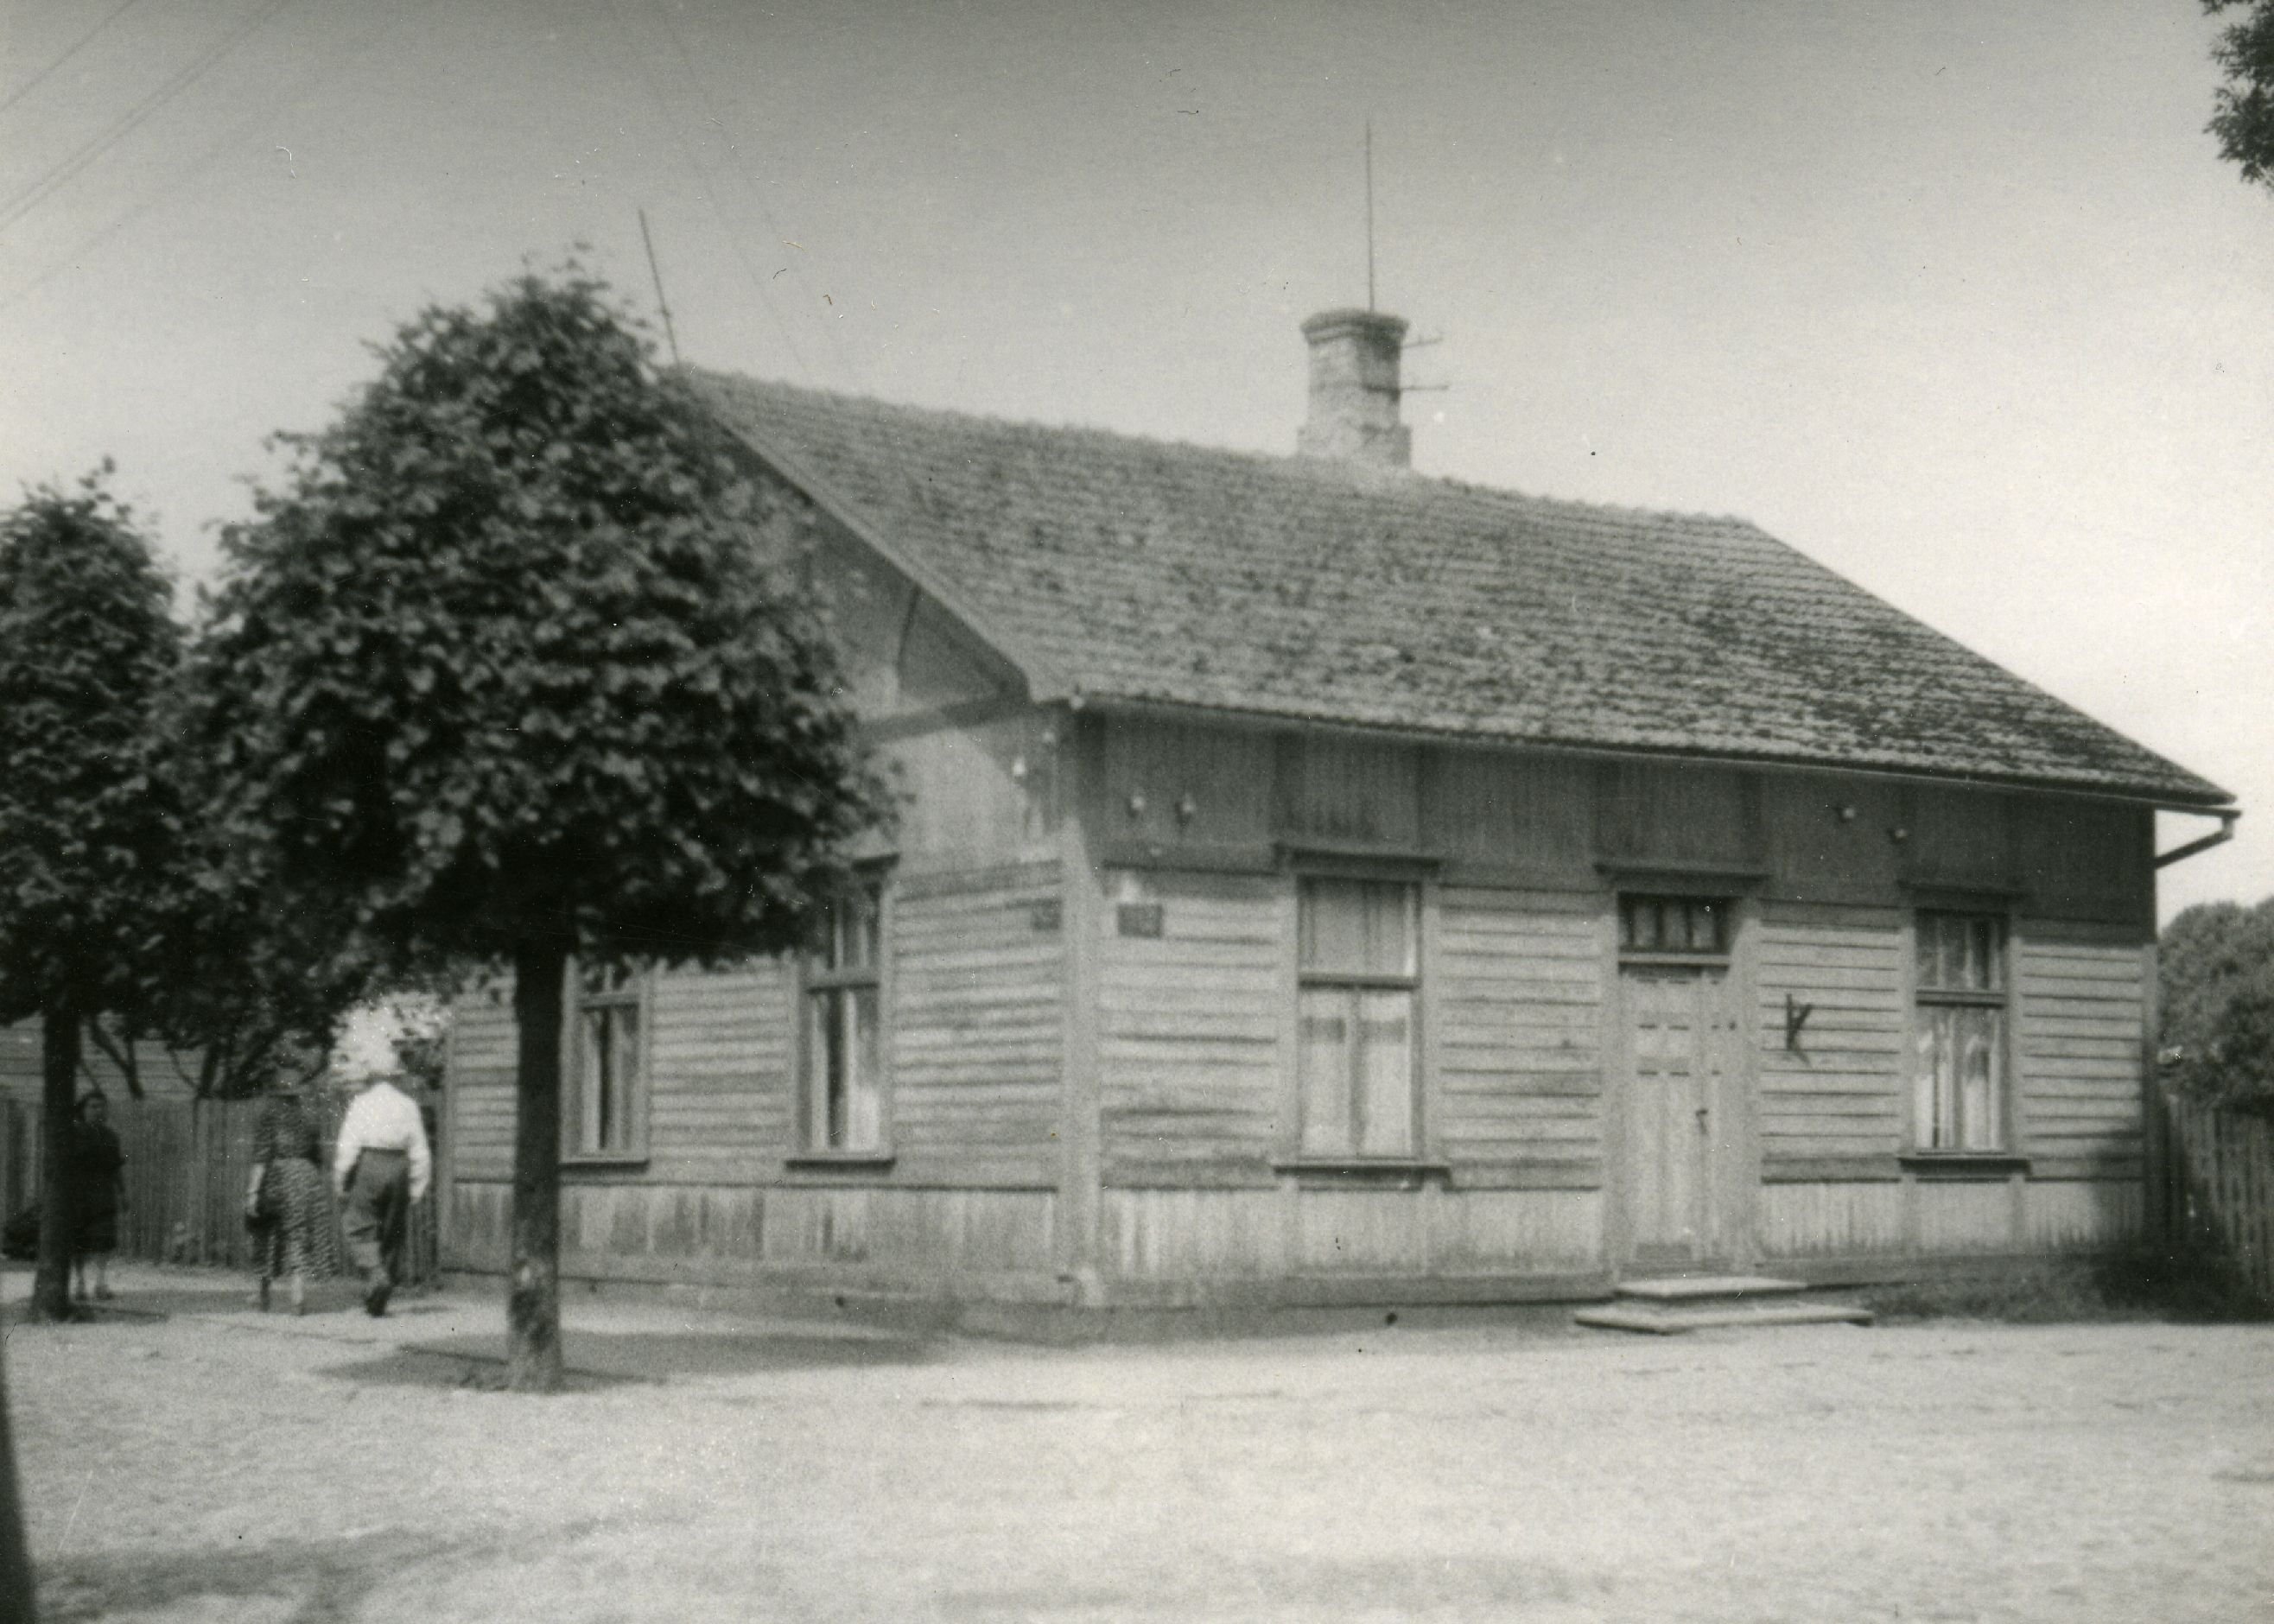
2244 122
517 668
2216 970
88 828
255 984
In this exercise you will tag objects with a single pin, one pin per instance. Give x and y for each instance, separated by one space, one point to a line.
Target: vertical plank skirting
1832 1219
2081 1215
738 1233
1191 1237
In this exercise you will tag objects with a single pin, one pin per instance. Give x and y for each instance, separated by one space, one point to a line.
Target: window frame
817 979
1719 955
1922 1002
1351 1159
578 1000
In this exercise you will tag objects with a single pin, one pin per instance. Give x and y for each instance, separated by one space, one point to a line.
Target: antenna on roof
661 304
1369 214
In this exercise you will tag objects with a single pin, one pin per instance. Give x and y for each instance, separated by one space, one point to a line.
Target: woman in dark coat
94 1174
289 1203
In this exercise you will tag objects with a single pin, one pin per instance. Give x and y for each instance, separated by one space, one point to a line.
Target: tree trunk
15 1560
533 1299
59 1040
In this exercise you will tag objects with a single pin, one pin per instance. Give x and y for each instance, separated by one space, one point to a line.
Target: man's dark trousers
378 1220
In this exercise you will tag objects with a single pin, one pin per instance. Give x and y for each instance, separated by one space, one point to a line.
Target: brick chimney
1354 390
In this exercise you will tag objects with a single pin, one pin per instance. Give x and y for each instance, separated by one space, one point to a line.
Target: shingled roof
1129 569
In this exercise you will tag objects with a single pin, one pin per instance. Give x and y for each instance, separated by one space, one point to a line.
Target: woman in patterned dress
292 1236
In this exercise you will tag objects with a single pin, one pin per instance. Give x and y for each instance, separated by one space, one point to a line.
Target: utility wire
755 193
62 174
710 193
69 51
270 108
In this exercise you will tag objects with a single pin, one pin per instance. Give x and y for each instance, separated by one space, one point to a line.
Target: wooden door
1677 1026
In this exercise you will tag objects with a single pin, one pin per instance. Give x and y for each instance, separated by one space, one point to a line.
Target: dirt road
213 1465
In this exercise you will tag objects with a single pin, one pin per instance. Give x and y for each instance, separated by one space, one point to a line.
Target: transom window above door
1685 925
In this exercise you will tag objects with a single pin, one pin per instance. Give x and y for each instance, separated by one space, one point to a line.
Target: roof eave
2162 798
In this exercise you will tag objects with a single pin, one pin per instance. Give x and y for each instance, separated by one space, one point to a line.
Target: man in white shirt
381 1165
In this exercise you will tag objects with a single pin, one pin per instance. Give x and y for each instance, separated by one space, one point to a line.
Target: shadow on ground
599 1360
294 1581
221 1294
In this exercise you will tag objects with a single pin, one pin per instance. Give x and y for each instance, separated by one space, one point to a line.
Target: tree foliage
254 987
2216 967
517 666
2244 121
89 827
518 653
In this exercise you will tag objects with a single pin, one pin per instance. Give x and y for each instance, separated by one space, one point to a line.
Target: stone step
1709 1287
1664 1318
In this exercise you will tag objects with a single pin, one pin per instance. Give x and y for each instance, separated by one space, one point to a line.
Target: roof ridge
1327 468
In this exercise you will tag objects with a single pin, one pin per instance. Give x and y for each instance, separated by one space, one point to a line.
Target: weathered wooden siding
1952 1217
1960 838
1517 1005
1663 813
1829 837
2081 1215
1831 1105
2078 1048
927 1241
1359 790
2085 859
1831 1218
1491 813
719 1060
978 794
1195 790
901 650
1199 830
1189 1026
976 1027
1205 1239
479 1097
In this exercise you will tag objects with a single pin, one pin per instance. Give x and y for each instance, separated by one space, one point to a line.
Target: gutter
2217 837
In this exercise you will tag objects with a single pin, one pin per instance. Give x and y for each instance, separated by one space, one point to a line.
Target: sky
1957 298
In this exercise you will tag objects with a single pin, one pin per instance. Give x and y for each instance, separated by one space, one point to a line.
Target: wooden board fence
187 1167
2220 1186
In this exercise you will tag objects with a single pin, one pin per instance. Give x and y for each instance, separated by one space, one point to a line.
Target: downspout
2217 837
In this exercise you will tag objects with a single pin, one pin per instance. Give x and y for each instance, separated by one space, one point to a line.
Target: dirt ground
215 1465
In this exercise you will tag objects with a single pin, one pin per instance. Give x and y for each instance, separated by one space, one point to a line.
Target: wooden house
1323 883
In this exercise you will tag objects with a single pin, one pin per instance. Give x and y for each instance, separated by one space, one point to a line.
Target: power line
69 51
268 109
755 193
710 193
62 173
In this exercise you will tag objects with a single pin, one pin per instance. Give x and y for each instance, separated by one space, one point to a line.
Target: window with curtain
1957 1061
606 1113
1358 972
844 1091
